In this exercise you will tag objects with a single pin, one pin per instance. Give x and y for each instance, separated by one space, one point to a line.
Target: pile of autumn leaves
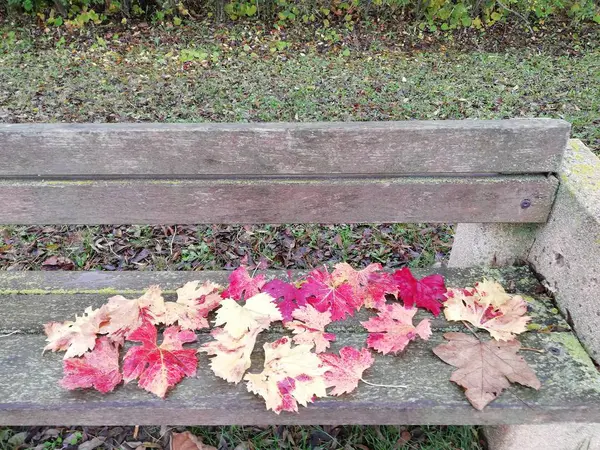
296 370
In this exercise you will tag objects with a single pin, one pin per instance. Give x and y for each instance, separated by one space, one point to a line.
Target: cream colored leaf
309 327
291 375
489 307
127 316
193 304
258 312
76 337
231 355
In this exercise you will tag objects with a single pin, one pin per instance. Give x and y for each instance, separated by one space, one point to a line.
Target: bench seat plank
30 393
516 199
571 392
371 148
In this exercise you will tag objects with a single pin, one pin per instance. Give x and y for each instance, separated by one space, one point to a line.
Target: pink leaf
98 369
286 295
345 371
392 329
159 367
323 292
426 293
242 285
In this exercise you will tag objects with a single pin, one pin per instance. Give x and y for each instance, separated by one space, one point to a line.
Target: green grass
268 438
147 81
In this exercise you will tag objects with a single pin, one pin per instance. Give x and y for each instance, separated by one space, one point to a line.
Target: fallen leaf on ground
309 328
187 441
58 263
98 368
345 371
425 293
485 368
242 285
159 367
76 337
488 306
392 329
193 304
127 316
291 375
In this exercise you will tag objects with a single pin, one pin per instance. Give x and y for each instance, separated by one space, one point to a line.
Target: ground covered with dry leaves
244 438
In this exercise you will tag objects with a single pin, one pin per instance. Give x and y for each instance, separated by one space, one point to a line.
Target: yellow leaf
489 307
258 312
291 375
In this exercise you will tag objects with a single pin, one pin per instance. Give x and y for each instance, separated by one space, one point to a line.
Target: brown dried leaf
187 441
485 369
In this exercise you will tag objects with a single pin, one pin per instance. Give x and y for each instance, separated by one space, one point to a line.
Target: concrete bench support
566 253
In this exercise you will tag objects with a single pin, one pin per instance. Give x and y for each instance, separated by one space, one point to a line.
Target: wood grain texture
403 199
368 148
35 298
30 394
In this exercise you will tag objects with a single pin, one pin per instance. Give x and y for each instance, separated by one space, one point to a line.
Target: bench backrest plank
367 148
444 171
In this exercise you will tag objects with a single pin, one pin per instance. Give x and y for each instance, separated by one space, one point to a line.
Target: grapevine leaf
488 306
392 329
369 285
485 369
323 292
159 367
98 368
231 355
286 295
127 316
242 285
426 293
345 371
258 312
193 304
309 327
290 376
75 337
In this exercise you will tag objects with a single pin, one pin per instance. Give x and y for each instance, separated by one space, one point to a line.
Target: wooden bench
493 172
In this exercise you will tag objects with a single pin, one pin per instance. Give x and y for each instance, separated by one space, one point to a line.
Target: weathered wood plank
30 394
103 282
31 299
28 313
371 148
404 199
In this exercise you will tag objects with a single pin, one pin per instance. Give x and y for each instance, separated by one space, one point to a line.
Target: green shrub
428 14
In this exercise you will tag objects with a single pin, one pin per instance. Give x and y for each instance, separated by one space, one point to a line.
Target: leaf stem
10 334
529 349
383 385
470 329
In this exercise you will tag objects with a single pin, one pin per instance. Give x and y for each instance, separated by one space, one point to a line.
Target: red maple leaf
345 371
326 294
159 367
425 293
98 368
287 296
242 285
392 329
